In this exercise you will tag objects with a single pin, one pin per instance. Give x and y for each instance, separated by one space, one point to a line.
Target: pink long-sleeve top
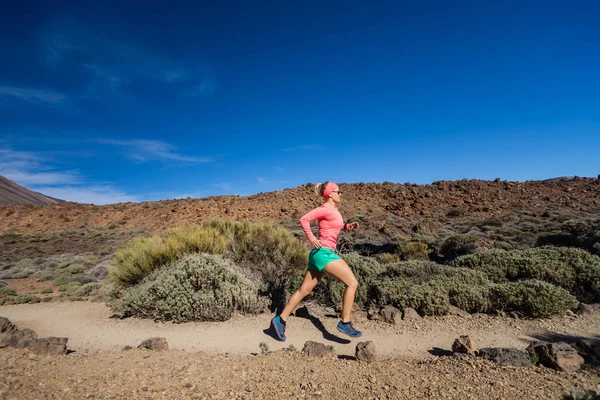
330 224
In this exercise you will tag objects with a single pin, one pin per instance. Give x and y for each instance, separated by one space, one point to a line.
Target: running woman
322 258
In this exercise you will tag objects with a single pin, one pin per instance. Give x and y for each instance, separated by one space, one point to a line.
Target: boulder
458 312
154 343
373 314
410 314
464 345
391 315
589 350
506 356
50 345
560 356
315 349
365 351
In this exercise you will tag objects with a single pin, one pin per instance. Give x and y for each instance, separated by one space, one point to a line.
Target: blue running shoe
279 328
348 329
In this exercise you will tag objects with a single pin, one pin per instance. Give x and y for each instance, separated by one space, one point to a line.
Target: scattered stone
365 351
10 336
373 314
506 356
560 356
589 350
458 312
50 345
154 343
410 314
464 345
127 348
391 315
315 349
585 309
463 356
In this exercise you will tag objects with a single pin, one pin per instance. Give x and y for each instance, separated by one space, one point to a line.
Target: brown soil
393 209
176 374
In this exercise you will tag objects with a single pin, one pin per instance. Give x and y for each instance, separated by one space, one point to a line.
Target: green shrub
26 298
141 256
198 287
414 250
365 270
427 299
388 258
74 269
69 289
270 255
5 291
19 275
87 289
62 279
46 290
471 298
531 298
570 268
458 245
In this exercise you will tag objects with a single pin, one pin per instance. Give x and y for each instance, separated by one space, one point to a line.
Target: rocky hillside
387 209
11 193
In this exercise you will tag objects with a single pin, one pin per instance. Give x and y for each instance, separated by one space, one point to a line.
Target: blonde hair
320 188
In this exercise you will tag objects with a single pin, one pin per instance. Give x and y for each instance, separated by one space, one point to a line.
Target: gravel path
89 327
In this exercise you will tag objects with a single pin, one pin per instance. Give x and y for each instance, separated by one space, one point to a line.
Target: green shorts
319 258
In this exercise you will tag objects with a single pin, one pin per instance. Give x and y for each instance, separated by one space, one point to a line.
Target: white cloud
36 172
35 96
146 150
112 64
98 195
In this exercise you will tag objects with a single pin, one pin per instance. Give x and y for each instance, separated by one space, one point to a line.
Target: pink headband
329 188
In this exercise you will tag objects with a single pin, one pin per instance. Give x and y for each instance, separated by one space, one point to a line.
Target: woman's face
336 196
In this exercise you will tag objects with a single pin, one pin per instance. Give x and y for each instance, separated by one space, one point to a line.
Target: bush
414 250
198 287
388 258
531 298
141 256
365 270
458 245
5 291
573 269
26 298
87 289
61 280
270 255
427 299
471 298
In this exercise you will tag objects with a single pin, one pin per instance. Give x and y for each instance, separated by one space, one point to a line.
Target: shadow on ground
303 313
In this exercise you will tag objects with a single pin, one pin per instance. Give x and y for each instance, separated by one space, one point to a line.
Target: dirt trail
89 327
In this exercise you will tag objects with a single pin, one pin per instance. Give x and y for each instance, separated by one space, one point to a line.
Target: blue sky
119 101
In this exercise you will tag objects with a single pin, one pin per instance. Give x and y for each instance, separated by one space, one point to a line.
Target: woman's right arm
317 213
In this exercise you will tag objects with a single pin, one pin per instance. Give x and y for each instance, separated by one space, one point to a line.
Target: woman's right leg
311 279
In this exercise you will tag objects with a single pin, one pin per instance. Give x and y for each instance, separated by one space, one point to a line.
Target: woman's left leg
339 270
311 279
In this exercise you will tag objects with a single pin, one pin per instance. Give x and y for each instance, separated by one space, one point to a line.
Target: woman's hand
352 226
316 244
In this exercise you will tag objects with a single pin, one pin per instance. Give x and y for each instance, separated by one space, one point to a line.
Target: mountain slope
12 193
